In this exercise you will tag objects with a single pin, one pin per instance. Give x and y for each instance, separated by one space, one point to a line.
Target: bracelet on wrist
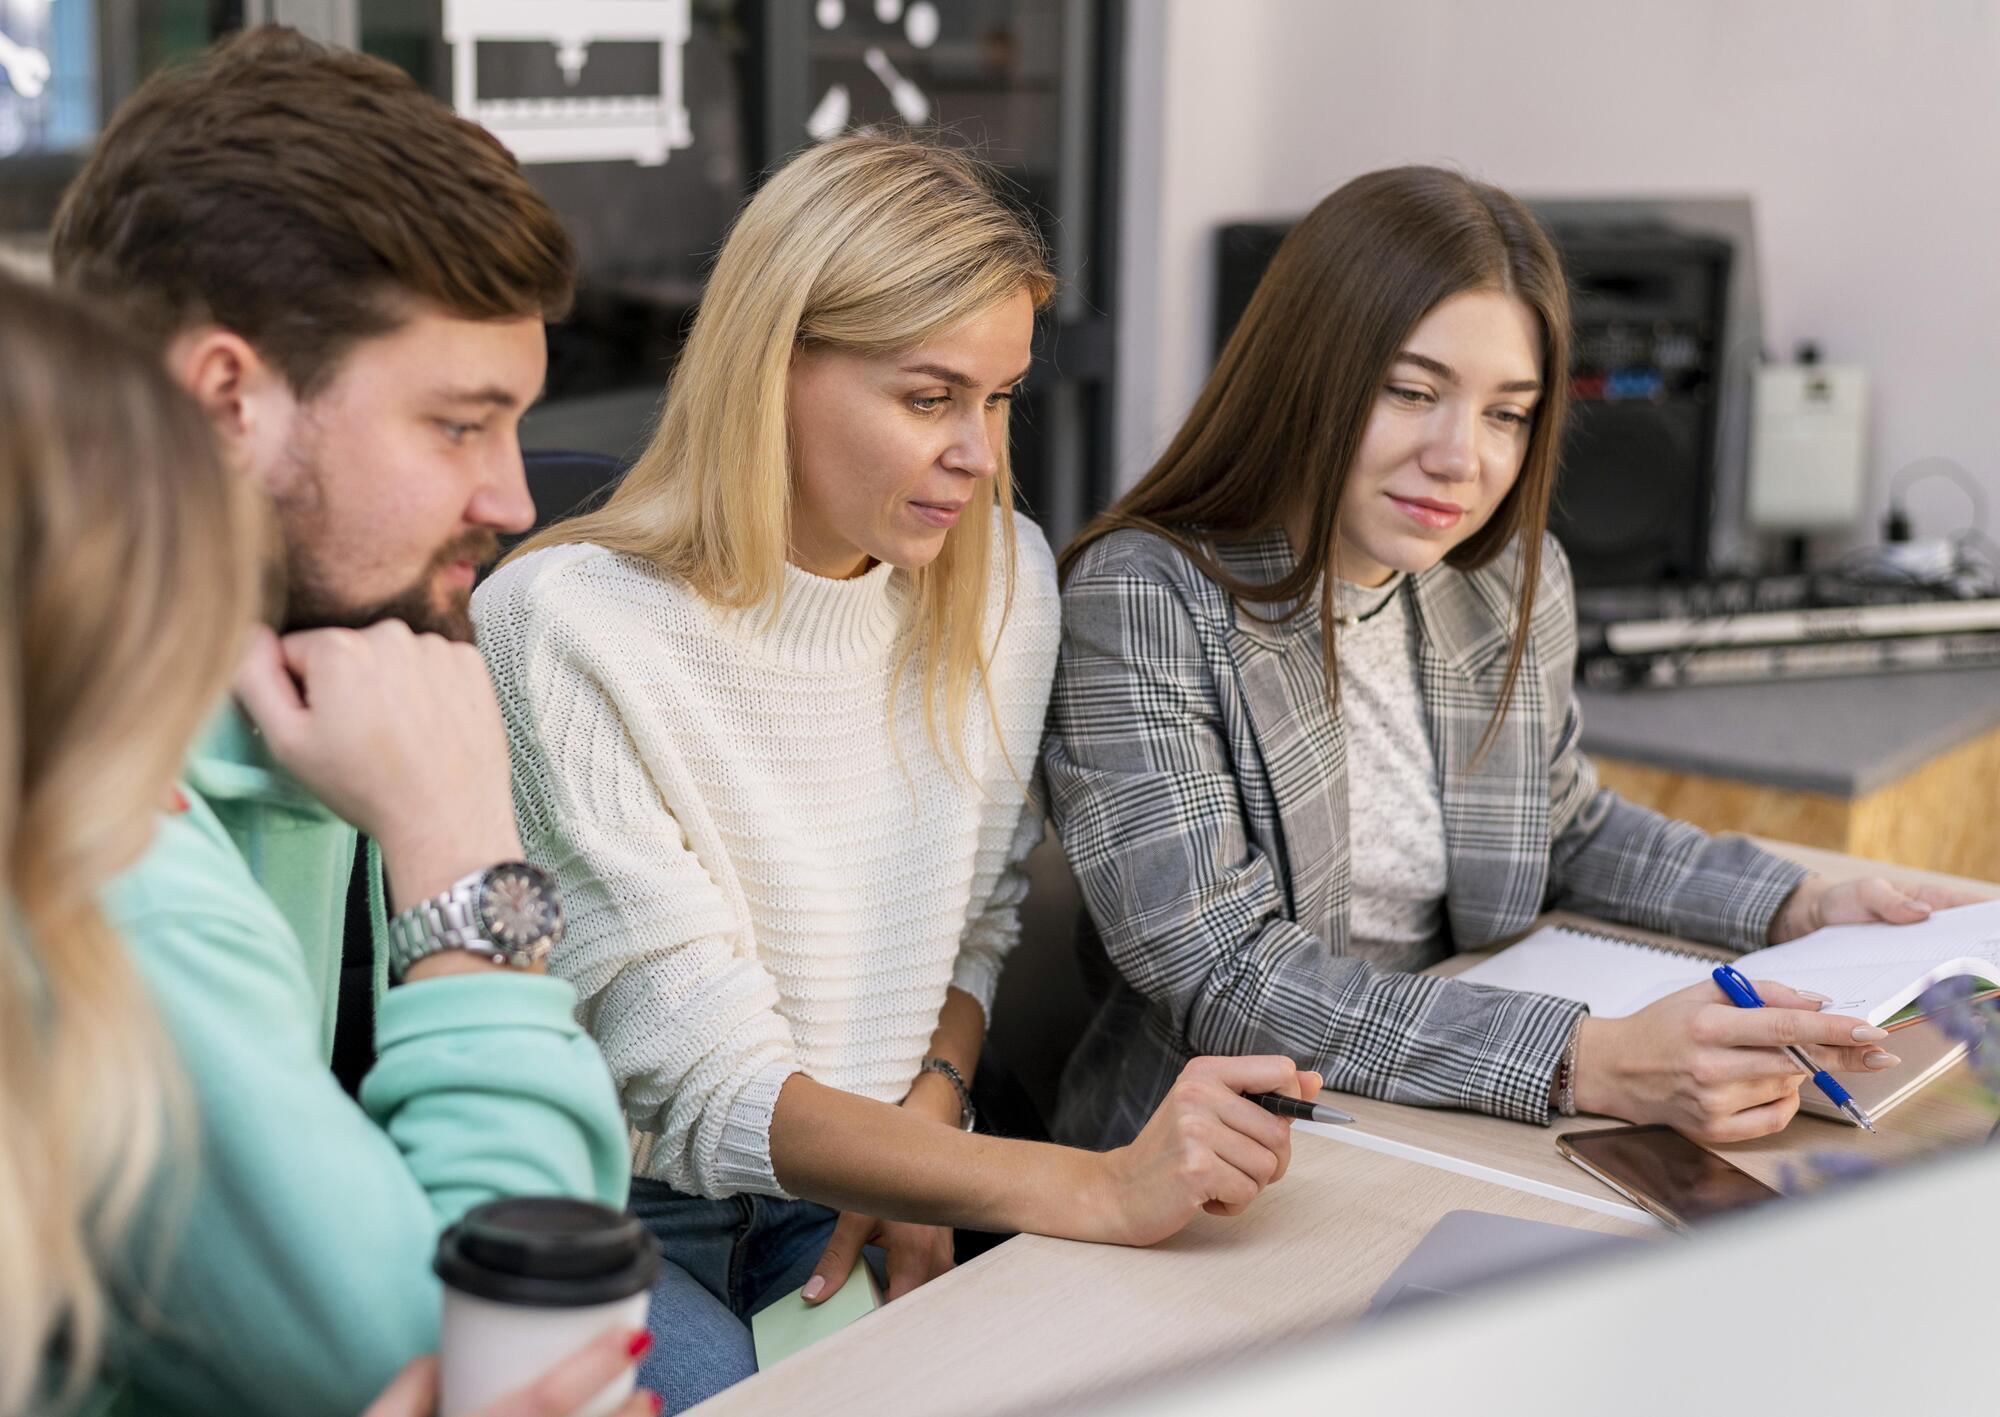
966 1116
1565 1085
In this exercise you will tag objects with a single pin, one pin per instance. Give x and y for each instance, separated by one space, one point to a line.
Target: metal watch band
448 921
966 1116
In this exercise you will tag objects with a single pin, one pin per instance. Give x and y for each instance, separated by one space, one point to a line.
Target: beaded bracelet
1566 1074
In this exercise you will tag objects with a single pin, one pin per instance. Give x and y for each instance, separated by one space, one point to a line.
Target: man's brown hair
299 196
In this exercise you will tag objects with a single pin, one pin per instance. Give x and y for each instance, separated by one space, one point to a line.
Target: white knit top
755 885
1395 816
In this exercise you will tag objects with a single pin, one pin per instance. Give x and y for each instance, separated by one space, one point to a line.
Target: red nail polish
657 1401
639 1343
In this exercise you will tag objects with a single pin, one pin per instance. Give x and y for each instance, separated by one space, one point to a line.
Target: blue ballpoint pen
1744 996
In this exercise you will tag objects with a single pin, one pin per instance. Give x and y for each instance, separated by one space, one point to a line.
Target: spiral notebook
1869 971
1613 974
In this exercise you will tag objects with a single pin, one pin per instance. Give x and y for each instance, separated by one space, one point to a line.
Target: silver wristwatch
510 914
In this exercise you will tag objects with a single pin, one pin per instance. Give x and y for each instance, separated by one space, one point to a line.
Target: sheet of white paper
1614 977
1869 971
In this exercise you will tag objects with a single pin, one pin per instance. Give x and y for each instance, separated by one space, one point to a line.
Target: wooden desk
1844 866
1038 1323
1950 1112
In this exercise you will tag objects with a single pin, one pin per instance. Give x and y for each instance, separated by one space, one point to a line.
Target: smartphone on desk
1663 1173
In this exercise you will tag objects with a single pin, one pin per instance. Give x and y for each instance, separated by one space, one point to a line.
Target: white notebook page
1614 977
1869 971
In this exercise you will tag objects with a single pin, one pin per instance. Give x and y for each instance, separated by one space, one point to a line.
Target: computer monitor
1875 1296
1666 336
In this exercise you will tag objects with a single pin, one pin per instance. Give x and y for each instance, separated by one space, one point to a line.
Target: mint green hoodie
298 1274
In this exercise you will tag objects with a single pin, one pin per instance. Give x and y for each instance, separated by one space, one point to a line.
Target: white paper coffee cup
527 1282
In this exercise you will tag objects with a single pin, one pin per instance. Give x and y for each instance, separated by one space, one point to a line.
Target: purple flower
1832 1167
1821 1169
1947 1003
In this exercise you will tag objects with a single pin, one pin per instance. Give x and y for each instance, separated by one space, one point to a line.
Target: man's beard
309 607
310 602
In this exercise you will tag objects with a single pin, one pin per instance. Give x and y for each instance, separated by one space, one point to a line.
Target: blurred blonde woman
774 709
128 566
130 563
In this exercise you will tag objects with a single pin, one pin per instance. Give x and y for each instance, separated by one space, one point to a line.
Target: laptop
1470 1248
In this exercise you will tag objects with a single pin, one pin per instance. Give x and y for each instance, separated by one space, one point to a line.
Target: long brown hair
870 243
129 570
1284 412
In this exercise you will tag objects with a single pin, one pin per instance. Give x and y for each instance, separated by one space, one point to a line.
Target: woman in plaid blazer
1389 408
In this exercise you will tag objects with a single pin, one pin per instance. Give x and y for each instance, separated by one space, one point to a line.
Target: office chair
1041 1007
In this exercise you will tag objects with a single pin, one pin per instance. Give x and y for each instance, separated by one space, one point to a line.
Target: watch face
518 906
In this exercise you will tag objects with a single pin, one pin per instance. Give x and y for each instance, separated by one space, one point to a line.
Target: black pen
1299 1109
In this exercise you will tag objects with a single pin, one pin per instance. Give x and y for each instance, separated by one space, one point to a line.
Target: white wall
1866 131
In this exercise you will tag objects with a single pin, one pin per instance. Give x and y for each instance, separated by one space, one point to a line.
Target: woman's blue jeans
724 1261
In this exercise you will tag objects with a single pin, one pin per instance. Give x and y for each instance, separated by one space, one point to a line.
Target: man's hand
397 732
1816 903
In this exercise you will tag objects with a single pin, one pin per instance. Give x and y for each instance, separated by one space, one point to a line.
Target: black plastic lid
547 1252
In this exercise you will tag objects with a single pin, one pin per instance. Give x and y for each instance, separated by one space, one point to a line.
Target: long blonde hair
869 244
129 567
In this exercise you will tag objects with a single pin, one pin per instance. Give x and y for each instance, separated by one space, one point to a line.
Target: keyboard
1810 625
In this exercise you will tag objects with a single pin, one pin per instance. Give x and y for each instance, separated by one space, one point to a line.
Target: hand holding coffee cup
556 1393
527 1283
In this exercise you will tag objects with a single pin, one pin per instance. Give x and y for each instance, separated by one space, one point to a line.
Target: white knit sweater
754 884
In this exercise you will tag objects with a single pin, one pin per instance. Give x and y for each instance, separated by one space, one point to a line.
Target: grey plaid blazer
1197 776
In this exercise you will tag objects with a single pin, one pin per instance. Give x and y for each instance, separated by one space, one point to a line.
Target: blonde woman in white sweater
773 710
